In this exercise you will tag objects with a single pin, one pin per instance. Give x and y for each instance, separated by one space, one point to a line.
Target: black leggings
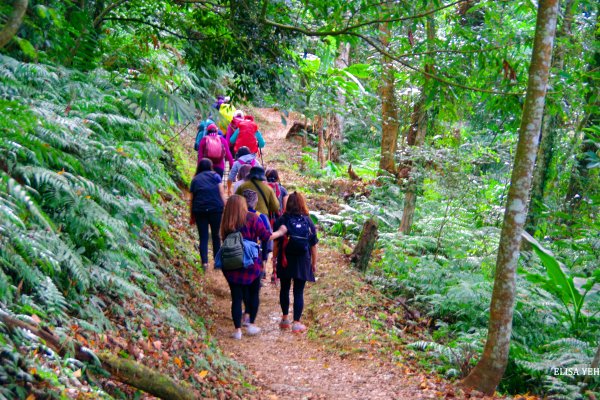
203 220
284 296
249 294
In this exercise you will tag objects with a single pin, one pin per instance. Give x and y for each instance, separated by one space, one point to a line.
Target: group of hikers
253 220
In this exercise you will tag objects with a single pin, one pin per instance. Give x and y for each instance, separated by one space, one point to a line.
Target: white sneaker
252 330
237 335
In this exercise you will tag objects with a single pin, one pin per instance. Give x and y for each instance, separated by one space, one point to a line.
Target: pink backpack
214 148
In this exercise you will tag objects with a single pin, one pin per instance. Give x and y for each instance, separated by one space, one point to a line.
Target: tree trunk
410 204
14 22
389 112
333 137
365 245
337 119
416 138
126 371
489 370
578 183
320 145
548 137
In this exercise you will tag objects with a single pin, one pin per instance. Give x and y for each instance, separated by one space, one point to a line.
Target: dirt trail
291 366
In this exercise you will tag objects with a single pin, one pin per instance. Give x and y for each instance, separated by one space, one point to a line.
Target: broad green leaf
555 271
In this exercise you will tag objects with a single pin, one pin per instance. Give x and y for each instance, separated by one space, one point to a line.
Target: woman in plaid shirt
245 280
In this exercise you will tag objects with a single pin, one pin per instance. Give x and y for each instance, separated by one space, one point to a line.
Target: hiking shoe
237 335
297 327
246 321
285 324
204 267
252 330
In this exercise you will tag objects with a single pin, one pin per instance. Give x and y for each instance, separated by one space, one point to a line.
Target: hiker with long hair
296 254
208 198
266 247
242 157
214 147
243 282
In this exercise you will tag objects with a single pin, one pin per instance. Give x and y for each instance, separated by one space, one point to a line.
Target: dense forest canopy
422 102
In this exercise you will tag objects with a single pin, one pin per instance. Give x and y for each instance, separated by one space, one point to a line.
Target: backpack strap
261 192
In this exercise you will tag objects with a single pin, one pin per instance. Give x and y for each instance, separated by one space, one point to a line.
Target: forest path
292 366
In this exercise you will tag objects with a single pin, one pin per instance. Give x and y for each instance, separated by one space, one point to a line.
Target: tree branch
163 29
98 20
427 74
14 22
348 29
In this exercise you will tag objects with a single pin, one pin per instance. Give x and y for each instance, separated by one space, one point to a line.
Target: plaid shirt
253 230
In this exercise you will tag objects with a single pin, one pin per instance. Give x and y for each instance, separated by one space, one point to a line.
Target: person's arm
279 233
260 139
222 192
229 184
192 216
233 137
201 149
227 153
313 258
233 171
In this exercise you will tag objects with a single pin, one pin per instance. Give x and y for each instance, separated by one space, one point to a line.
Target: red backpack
247 134
213 148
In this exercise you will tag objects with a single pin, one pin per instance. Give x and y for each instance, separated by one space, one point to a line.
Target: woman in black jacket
296 254
208 199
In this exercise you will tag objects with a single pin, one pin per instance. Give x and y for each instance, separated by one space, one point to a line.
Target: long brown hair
296 204
234 215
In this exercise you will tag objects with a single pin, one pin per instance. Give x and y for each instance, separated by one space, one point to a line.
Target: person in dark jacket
208 199
299 266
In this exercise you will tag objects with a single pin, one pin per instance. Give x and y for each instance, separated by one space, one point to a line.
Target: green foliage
574 293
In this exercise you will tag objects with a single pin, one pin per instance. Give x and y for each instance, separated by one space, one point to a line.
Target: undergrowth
86 235
445 267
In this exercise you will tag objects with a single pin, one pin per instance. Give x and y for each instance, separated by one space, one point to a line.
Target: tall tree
14 22
549 132
389 110
416 137
489 370
578 183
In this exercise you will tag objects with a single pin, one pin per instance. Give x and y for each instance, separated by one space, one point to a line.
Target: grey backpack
232 252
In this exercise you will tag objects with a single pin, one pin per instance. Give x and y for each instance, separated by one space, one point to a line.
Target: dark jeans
219 171
249 295
284 296
203 220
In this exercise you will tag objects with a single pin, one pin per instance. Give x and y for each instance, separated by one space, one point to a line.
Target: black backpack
298 235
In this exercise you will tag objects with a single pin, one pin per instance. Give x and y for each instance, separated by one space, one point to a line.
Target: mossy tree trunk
122 370
13 22
416 138
489 370
389 110
549 132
